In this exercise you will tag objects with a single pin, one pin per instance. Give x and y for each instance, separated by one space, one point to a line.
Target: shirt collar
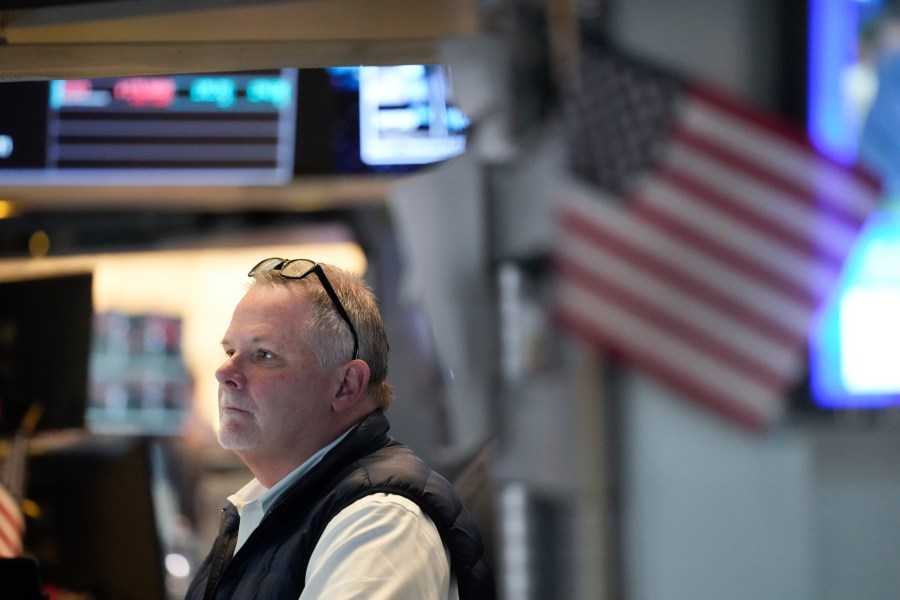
255 491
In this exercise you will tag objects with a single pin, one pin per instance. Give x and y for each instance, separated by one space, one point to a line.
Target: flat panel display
407 115
252 128
391 119
855 337
199 129
236 129
45 336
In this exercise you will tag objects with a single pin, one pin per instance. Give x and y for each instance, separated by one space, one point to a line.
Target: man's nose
229 372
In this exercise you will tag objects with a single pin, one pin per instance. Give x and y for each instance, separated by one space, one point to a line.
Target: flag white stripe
749 242
635 333
9 548
12 524
765 200
679 304
788 314
789 160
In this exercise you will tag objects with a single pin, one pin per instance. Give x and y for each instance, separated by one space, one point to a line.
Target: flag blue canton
618 113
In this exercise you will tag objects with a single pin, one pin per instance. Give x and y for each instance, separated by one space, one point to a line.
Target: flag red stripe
783 131
693 388
640 308
696 238
822 180
643 337
817 199
806 246
786 132
609 239
9 514
12 525
10 546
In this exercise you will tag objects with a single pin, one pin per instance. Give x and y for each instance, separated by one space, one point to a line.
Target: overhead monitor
407 115
235 129
395 118
198 129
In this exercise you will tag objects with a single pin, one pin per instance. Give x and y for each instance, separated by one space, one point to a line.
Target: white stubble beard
237 431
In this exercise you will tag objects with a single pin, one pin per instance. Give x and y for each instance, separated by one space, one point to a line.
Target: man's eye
264 354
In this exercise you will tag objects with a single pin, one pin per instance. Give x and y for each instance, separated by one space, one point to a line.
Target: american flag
12 483
707 238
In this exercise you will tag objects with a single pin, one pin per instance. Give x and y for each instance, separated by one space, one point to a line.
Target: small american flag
12 483
708 237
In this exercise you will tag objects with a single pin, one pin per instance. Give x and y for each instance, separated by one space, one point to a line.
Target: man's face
274 398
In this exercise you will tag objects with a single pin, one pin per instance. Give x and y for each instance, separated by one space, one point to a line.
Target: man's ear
352 389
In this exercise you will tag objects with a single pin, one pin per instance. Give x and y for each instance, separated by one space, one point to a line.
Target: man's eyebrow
255 340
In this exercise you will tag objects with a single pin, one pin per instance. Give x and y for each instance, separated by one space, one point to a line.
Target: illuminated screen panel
855 338
203 129
406 116
870 340
854 91
854 84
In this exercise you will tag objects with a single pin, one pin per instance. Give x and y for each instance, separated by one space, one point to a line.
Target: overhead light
7 209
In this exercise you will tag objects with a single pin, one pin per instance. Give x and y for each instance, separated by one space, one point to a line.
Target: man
337 509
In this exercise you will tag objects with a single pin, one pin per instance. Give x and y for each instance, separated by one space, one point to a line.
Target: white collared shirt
381 547
254 500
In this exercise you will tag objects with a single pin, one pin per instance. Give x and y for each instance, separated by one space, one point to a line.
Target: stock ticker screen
250 128
235 128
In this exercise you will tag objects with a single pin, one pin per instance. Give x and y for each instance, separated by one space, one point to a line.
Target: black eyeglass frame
279 264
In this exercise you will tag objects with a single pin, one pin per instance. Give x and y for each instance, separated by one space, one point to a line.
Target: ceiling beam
75 61
302 194
142 38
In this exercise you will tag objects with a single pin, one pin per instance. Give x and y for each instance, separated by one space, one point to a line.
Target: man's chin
236 440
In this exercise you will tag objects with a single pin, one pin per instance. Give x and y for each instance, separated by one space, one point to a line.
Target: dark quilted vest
272 562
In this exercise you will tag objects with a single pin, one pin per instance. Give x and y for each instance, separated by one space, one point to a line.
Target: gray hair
327 333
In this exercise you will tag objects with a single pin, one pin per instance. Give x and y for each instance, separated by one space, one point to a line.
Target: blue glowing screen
854 84
855 337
